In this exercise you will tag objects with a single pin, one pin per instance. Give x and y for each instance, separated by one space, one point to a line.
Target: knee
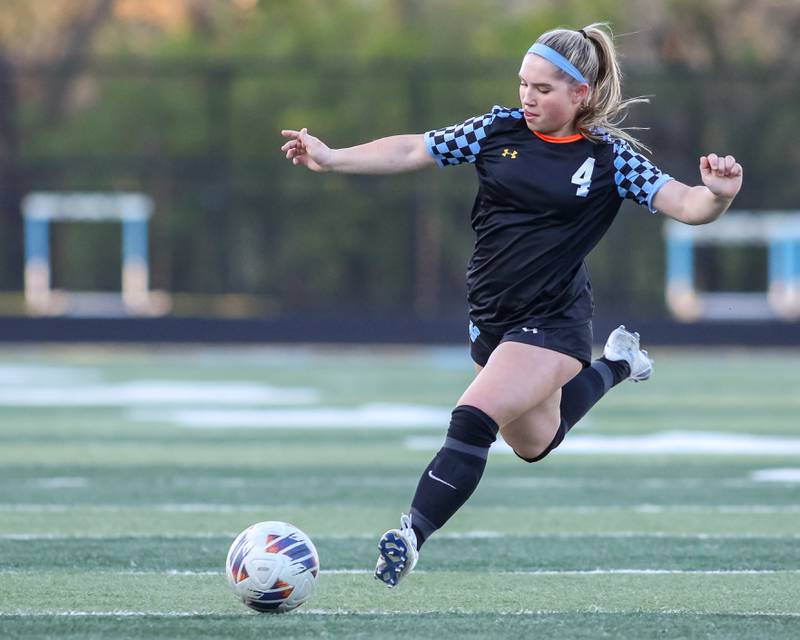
532 454
472 426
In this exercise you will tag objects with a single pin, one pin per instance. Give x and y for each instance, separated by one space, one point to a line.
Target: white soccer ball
272 567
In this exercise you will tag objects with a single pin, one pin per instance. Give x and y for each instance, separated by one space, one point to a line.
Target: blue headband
557 59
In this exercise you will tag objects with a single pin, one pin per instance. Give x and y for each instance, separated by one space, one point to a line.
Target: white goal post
779 231
132 211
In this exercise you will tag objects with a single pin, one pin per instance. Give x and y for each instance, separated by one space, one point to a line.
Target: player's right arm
395 154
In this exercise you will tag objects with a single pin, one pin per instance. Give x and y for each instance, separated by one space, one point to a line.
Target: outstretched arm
396 154
722 179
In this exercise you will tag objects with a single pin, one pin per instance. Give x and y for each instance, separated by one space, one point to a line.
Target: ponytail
591 50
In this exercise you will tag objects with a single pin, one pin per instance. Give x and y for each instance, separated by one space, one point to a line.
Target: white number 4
583 177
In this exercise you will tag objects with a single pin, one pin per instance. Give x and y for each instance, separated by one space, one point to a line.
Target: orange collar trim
559 140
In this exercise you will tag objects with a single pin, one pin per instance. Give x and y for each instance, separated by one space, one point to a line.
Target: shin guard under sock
582 392
454 472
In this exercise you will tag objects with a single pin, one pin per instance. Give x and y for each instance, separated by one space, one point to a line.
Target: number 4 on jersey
583 177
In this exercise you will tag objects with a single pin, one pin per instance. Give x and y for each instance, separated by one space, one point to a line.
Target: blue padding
774 261
792 260
37 240
680 261
134 241
796 259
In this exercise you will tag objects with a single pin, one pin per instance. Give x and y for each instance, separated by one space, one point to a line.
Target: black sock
436 500
454 472
582 392
620 369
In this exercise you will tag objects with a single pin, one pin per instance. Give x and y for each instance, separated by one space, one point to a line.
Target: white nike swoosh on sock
433 477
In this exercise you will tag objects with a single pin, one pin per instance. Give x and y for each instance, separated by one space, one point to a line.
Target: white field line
465 535
128 536
156 392
667 442
773 476
181 572
757 478
25 375
542 612
788 476
701 572
125 613
210 507
59 482
519 572
372 416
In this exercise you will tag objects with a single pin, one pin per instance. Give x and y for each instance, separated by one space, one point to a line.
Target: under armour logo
507 153
474 332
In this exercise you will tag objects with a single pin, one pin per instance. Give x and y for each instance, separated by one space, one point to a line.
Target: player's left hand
721 174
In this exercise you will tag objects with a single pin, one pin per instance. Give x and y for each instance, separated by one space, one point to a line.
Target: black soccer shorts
572 341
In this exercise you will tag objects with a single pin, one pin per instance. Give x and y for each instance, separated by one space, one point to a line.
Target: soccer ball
272 567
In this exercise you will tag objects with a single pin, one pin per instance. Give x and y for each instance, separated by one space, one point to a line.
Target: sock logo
433 477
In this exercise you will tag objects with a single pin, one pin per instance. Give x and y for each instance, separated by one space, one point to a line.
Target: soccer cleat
624 345
398 553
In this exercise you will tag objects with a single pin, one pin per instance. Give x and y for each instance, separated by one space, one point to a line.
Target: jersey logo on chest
509 153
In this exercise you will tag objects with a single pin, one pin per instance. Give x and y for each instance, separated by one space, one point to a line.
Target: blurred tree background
185 99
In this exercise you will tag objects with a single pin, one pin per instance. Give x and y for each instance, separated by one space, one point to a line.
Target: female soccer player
552 175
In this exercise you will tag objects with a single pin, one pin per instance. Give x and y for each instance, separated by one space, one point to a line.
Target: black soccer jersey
543 204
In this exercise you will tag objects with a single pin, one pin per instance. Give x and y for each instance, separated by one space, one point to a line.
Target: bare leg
517 379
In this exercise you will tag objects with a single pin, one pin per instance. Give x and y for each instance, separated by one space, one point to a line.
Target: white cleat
624 345
398 553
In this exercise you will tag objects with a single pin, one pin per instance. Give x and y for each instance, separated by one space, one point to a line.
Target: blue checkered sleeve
635 176
462 142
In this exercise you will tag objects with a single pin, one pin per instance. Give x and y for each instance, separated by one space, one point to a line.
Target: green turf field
125 474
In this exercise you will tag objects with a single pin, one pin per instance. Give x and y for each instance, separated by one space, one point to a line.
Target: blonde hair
595 56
